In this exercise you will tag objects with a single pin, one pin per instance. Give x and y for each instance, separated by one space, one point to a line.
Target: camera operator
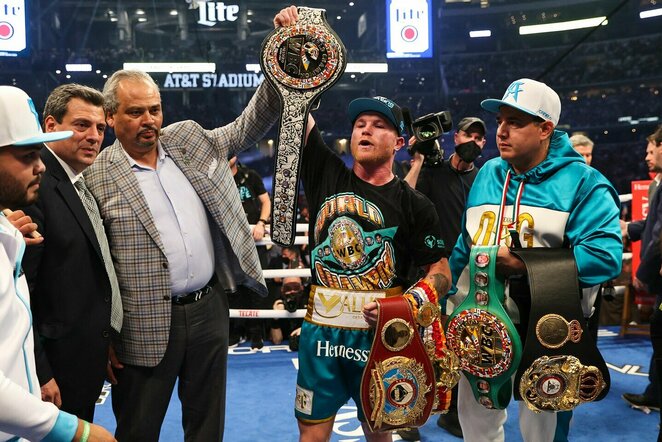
294 296
446 183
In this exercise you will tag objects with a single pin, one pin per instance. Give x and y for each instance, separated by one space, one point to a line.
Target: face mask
468 151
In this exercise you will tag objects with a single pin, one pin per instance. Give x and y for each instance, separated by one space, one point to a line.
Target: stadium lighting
480 34
652 13
361 68
563 26
78 67
171 67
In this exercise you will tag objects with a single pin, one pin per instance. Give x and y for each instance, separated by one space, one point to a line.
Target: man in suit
70 286
648 274
22 412
180 241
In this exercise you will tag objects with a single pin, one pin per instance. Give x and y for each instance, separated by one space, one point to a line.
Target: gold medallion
559 383
397 334
553 331
427 314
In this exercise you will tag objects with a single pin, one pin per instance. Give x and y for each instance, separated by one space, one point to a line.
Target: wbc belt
561 366
398 383
481 334
300 61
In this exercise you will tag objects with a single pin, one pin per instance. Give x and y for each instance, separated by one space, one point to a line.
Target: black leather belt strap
195 296
561 366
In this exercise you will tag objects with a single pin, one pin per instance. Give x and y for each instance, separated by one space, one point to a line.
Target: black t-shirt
361 236
447 188
250 187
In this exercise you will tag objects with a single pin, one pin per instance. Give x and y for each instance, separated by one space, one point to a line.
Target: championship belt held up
481 334
300 61
561 366
398 383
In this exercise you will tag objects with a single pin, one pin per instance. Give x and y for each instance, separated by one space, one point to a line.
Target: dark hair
656 137
58 100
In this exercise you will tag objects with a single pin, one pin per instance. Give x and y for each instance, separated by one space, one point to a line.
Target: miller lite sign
409 29
210 13
12 27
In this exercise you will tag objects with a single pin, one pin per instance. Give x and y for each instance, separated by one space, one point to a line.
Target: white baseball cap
530 96
19 121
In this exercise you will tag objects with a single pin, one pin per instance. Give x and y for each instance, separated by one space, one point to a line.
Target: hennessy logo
211 13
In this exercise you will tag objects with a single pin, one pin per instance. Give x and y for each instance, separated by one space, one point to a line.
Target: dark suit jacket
69 290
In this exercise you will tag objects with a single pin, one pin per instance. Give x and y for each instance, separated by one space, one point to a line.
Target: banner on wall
13 32
639 212
243 80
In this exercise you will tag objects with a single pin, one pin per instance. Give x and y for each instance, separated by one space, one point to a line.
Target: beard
13 193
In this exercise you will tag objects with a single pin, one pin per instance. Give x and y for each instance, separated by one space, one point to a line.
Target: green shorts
331 363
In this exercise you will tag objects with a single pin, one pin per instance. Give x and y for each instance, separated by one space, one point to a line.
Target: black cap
466 123
381 105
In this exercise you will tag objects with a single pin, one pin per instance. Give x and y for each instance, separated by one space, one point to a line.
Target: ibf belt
481 334
561 366
300 61
342 308
398 386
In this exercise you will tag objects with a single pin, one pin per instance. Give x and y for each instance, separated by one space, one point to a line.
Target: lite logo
12 26
211 13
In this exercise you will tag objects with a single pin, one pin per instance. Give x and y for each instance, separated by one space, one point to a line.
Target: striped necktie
95 218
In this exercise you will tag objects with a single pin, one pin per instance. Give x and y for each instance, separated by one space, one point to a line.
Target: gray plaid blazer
137 250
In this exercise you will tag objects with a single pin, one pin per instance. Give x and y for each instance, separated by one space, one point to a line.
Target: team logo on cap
386 101
514 90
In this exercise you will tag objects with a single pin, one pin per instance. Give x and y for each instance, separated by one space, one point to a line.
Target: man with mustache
22 412
180 241
72 315
539 193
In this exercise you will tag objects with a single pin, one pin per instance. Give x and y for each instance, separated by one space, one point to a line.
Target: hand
639 284
50 392
97 433
286 17
258 231
624 229
418 157
24 224
508 264
113 363
370 313
278 305
296 332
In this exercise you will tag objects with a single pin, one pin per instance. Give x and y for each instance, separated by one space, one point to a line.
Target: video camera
427 130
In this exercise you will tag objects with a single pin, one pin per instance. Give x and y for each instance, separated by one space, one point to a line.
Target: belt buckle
300 61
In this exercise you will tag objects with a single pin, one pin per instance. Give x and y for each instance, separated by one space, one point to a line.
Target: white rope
252 313
266 241
284 273
625 198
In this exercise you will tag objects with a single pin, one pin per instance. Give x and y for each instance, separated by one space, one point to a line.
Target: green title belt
398 382
482 335
561 366
300 61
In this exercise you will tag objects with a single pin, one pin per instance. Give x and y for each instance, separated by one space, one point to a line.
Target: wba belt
481 334
300 61
342 308
398 383
561 366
